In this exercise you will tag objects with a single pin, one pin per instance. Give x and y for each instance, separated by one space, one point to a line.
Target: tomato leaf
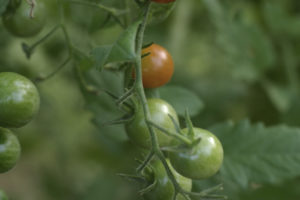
159 12
181 99
3 5
255 154
122 50
99 102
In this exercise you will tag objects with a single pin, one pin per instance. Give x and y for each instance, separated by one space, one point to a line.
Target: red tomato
157 67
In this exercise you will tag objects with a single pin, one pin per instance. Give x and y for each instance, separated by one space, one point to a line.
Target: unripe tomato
163 1
19 100
10 150
137 129
18 22
157 67
202 160
164 189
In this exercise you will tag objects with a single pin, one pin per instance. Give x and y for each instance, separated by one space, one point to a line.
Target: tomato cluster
19 103
200 158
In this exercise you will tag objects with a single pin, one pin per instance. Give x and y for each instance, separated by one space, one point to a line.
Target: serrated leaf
257 154
181 99
121 51
3 5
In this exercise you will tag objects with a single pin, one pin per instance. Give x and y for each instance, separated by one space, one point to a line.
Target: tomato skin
19 100
19 23
163 1
164 190
137 129
10 150
157 67
201 161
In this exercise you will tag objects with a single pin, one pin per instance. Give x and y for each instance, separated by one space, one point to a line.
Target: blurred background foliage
240 57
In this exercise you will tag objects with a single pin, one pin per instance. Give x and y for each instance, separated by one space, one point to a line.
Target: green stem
141 94
139 83
147 160
40 79
172 134
29 49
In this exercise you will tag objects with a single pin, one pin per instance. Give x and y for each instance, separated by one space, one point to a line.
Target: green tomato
185 183
202 160
137 129
18 22
19 100
10 150
3 195
164 189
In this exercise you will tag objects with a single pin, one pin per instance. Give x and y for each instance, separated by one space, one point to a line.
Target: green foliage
234 60
182 99
3 5
122 50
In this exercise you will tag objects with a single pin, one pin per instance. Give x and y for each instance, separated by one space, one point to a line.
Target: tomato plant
157 66
163 188
160 110
235 60
9 150
19 23
19 100
201 160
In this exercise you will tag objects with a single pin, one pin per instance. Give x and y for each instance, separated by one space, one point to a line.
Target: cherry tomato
163 1
164 189
137 129
157 67
202 160
19 100
18 22
9 150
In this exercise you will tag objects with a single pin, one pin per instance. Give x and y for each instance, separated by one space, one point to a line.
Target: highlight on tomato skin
163 1
157 66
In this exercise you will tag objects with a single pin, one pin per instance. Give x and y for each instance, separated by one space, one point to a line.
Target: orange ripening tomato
157 67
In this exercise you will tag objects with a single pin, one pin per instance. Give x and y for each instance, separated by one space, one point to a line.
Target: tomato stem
146 161
171 133
29 49
141 94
